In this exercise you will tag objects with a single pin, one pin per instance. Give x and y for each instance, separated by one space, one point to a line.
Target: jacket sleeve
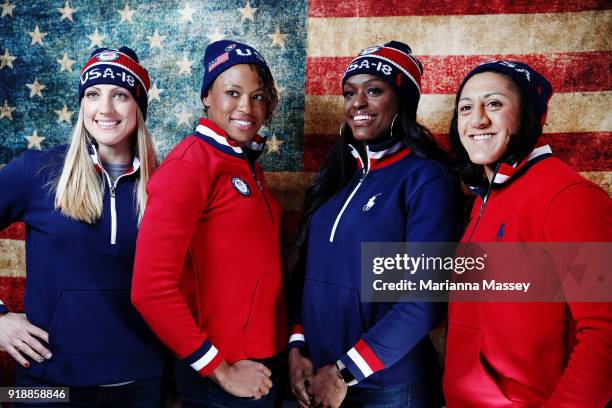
13 192
583 213
434 215
296 291
177 194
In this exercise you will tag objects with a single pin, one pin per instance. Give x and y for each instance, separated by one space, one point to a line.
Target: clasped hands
323 389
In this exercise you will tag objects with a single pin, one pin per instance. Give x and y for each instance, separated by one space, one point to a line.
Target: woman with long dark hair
502 354
384 181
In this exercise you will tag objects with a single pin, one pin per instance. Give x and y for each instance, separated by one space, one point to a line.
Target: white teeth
362 117
108 123
483 137
242 122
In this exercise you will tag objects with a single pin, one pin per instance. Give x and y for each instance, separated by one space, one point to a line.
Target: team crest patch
369 50
230 47
241 186
107 56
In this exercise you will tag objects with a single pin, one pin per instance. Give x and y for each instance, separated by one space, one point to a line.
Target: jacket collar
507 173
95 159
379 155
216 137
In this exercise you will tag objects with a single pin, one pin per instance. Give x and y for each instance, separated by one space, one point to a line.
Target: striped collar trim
95 159
380 156
215 136
507 173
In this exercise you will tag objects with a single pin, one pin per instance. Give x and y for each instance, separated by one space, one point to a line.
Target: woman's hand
20 338
244 378
300 376
327 387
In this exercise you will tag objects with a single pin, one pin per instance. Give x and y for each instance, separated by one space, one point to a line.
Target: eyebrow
485 95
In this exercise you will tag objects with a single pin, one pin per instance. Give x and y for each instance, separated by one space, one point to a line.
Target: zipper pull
112 190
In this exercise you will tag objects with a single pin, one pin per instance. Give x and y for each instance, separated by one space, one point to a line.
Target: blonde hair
79 190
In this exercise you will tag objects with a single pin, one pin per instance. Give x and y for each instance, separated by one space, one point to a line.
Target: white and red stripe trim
210 129
506 171
123 62
297 335
381 158
364 358
206 359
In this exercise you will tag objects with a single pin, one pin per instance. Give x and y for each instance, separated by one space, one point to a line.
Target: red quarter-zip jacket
207 275
503 354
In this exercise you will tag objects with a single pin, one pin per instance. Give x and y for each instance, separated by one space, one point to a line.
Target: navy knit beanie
117 67
224 54
394 63
534 85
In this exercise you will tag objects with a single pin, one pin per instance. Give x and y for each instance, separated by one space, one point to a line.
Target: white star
64 115
7 8
154 92
159 143
66 12
34 140
36 88
184 65
187 13
65 63
216 35
278 38
126 14
183 117
6 111
96 39
280 90
274 144
248 12
37 36
155 40
7 59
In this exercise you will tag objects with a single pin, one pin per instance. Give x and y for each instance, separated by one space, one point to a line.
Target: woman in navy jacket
383 182
81 205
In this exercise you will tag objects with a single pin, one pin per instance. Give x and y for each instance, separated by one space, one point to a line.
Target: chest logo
370 202
500 231
241 186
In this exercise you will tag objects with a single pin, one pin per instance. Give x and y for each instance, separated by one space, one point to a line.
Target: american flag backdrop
307 43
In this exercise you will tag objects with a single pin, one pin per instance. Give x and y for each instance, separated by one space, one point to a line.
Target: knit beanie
117 67
533 85
222 55
394 63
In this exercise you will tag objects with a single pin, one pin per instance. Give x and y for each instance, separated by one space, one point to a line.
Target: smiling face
370 104
488 115
109 115
237 103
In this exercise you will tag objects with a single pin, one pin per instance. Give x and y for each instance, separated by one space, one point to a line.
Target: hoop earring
342 129
393 123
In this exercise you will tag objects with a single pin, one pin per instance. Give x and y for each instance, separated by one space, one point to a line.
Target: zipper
113 205
252 168
485 200
366 170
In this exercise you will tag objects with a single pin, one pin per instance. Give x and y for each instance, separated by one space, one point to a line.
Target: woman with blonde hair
82 205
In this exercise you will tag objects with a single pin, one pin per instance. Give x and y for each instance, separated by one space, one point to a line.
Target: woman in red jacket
524 354
207 275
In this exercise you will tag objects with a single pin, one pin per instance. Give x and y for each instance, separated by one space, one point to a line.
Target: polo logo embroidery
241 186
370 202
500 231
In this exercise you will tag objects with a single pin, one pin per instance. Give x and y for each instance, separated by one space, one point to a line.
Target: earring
342 128
393 123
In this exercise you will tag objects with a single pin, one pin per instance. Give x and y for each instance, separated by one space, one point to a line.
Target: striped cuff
3 308
297 338
361 361
205 359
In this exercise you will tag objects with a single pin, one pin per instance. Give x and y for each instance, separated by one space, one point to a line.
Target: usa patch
107 56
241 186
